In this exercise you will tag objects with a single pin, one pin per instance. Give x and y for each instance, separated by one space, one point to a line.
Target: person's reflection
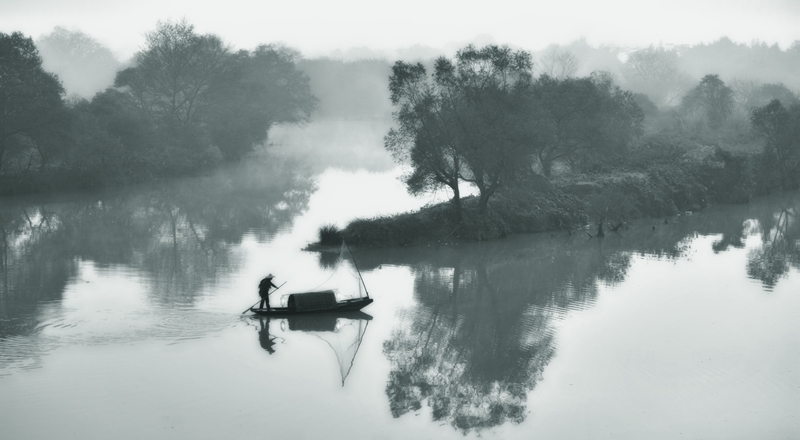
266 340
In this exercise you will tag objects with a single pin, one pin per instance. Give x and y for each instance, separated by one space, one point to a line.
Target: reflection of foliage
328 260
179 234
483 335
33 267
471 358
780 249
483 332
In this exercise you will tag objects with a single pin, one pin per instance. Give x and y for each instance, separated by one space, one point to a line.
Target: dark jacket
263 287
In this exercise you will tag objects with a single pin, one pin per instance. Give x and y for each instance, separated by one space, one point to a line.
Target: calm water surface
120 317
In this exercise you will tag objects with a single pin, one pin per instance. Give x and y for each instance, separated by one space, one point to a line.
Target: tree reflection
33 268
780 248
483 332
180 235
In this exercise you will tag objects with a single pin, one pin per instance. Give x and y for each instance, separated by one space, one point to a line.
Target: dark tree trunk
457 204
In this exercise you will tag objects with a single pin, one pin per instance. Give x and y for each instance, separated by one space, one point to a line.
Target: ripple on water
170 325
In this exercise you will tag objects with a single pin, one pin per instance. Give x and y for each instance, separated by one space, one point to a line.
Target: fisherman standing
263 291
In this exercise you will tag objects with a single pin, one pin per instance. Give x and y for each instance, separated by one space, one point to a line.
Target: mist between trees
492 117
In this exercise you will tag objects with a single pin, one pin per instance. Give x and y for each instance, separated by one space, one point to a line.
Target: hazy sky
316 27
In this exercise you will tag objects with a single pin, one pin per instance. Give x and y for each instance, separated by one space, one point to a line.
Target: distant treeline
187 103
74 116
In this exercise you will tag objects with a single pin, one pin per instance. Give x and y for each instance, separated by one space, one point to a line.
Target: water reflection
478 339
780 249
343 332
483 327
266 340
176 237
483 330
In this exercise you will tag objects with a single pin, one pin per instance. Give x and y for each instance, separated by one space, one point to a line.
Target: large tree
200 94
781 129
261 89
583 121
173 74
31 105
424 138
466 122
711 98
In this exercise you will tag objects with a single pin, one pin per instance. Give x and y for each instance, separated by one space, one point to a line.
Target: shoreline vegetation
592 205
559 152
553 140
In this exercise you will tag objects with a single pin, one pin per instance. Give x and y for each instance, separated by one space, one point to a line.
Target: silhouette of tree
31 106
200 94
583 120
464 123
262 88
711 98
173 74
781 129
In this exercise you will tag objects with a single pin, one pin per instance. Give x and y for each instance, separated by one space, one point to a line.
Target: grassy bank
656 182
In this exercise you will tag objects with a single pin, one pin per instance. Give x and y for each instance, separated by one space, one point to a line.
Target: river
121 315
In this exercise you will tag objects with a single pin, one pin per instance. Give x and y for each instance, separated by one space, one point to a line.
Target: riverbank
649 187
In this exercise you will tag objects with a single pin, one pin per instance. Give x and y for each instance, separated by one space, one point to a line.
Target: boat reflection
342 332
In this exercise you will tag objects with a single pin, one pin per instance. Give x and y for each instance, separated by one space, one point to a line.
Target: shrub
329 235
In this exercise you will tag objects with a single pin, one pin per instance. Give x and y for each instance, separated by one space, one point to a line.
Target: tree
712 98
465 123
262 88
202 96
80 61
31 105
583 120
781 129
424 137
488 90
172 76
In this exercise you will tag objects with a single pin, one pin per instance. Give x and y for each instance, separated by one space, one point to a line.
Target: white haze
381 28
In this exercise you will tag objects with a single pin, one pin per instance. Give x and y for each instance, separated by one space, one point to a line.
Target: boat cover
325 299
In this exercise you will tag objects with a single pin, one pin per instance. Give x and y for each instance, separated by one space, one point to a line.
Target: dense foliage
186 104
463 123
780 126
482 119
560 150
31 108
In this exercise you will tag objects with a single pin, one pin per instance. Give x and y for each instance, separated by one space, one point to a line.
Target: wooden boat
315 302
325 301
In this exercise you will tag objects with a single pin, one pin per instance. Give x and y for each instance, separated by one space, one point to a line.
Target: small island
559 152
